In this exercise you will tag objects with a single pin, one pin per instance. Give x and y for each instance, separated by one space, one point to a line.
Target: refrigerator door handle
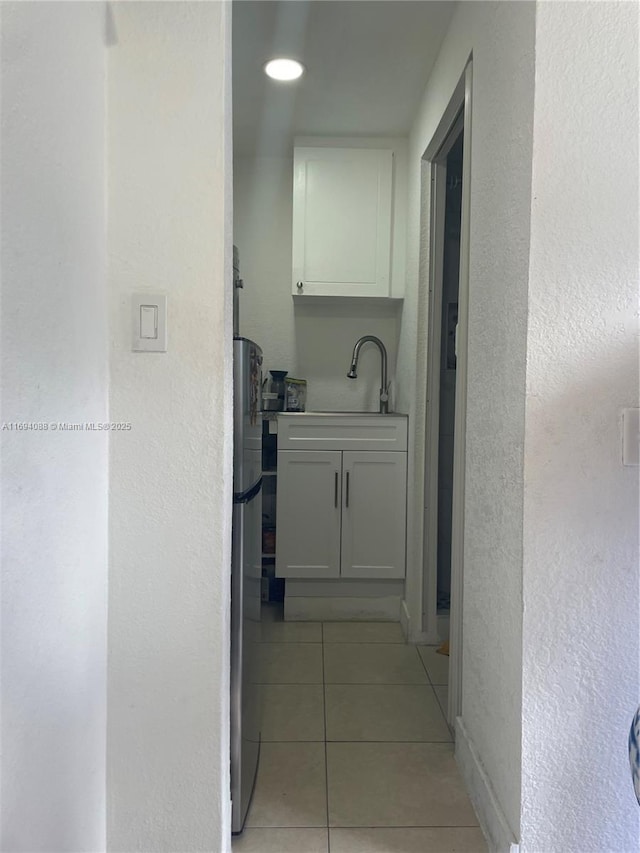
249 495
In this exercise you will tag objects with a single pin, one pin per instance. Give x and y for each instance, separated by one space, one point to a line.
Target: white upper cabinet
342 221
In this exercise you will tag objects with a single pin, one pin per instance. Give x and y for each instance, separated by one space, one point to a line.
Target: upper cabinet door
342 206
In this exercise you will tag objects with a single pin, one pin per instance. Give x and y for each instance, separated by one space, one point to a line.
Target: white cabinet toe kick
343 599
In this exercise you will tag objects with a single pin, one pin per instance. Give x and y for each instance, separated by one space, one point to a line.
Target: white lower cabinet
341 514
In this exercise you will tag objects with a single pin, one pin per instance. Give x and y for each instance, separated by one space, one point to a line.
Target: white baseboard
335 609
412 632
493 823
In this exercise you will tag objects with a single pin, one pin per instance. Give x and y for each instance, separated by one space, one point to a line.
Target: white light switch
631 437
149 321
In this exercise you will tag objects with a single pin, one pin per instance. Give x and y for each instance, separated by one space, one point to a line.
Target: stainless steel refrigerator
246 573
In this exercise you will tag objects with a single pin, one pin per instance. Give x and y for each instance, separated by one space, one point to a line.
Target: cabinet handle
300 285
335 491
347 495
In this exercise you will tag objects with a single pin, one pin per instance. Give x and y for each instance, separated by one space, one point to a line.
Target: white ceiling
367 65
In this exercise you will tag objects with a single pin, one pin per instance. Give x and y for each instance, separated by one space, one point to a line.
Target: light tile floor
356 754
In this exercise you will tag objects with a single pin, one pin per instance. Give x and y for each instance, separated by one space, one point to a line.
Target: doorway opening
447 378
446 184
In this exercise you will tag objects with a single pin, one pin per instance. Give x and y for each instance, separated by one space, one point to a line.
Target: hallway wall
54 483
501 36
581 663
171 475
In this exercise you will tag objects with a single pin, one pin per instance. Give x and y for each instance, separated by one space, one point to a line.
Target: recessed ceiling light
284 69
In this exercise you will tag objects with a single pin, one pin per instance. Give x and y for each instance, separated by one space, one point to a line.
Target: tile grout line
382 684
357 741
388 742
422 664
326 759
300 741
334 643
443 712
433 687
372 826
348 684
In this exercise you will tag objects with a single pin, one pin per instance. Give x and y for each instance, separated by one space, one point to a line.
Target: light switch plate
149 322
631 437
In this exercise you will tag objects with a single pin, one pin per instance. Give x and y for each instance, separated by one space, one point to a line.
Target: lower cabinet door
374 499
308 514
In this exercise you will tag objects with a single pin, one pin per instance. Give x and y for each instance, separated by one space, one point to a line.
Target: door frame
456 115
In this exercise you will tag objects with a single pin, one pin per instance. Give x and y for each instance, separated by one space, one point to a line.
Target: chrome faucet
352 374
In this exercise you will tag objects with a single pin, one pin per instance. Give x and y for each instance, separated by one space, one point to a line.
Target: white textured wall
54 484
313 341
501 36
171 484
581 681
